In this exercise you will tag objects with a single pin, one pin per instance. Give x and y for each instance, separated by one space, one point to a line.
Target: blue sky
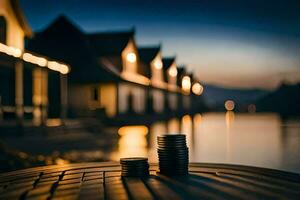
230 43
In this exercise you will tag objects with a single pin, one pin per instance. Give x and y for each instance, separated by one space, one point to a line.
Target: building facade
26 78
110 74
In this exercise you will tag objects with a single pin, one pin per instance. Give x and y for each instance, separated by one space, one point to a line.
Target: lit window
158 64
197 88
186 83
229 105
173 71
131 57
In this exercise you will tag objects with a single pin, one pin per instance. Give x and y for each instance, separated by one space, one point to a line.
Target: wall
129 67
108 98
15 33
80 98
172 99
158 100
172 80
157 76
137 94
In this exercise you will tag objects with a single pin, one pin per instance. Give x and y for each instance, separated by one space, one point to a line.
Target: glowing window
186 83
131 57
173 71
197 88
229 105
158 64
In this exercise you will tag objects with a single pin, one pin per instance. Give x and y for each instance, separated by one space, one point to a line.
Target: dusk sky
249 43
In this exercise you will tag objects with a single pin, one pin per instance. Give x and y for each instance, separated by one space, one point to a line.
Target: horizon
239 45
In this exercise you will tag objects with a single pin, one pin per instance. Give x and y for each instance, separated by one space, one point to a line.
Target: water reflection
248 139
132 142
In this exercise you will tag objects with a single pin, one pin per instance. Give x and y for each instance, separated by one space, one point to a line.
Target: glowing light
158 64
55 66
173 126
173 71
53 122
12 51
28 57
197 88
131 57
251 108
229 105
186 84
229 118
197 118
133 141
143 130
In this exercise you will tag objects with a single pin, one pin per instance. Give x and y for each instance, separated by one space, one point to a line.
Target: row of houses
106 72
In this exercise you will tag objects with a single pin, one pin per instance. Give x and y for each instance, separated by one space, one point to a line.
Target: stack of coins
173 155
134 167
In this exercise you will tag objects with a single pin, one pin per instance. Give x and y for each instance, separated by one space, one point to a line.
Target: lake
262 140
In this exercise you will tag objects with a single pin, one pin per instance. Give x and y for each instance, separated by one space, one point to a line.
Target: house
25 77
151 62
117 51
170 75
184 82
105 68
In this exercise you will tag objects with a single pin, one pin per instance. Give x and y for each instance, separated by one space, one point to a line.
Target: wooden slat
103 181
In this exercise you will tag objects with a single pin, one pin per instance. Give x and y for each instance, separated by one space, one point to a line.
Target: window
95 94
3 30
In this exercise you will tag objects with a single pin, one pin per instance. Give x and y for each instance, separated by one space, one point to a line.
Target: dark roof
167 62
62 40
110 43
20 17
147 54
180 73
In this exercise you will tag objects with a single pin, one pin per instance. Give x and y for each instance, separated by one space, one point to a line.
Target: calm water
250 139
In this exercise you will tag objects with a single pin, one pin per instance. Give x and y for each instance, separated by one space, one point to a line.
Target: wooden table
103 181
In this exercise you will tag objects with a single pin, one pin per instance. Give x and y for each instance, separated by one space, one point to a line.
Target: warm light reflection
173 71
143 130
173 126
187 129
133 141
186 84
229 118
53 122
28 57
131 57
229 105
197 88
197 118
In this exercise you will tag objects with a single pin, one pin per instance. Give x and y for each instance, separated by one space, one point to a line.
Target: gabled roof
180 73
110 43
20 17
167 62
64 41
147 54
